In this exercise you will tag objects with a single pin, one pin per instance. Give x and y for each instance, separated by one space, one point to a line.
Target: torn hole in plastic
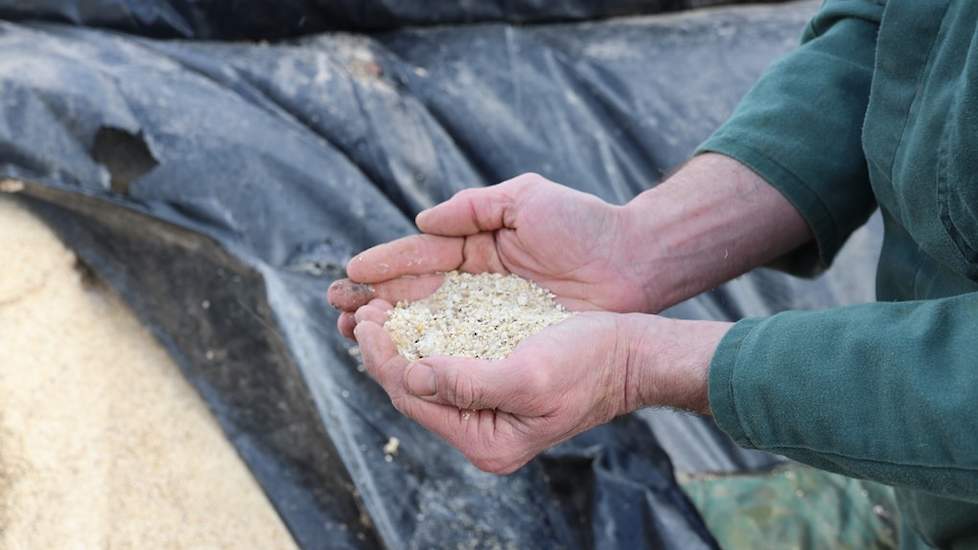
125 155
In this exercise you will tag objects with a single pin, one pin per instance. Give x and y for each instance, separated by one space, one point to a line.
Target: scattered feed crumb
393 444
354 352
11 186
484 316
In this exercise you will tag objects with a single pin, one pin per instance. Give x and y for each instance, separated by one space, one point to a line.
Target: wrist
670 231
647 228
668 361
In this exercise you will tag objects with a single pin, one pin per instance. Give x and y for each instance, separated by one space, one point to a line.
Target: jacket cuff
723 369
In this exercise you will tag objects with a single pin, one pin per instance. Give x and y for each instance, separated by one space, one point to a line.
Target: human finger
409 288
376 311
345 324
346 295
467 383
475 210
380 357
413 255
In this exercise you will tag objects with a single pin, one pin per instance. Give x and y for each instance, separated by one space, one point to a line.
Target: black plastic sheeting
274 19
220 188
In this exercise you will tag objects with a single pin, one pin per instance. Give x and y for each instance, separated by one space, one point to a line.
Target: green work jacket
877 107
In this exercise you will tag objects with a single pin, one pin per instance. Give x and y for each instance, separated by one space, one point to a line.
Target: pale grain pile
483 316
103 444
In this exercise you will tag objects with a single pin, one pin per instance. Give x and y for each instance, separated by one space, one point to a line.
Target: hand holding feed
572 243
568 378
712 221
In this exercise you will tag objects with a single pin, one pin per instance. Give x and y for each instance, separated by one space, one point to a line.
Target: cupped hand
500 414
572 243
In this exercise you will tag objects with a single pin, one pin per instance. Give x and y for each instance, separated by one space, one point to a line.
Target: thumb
465 383
474 210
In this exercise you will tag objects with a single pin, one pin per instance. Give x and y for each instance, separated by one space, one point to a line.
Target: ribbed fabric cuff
722 392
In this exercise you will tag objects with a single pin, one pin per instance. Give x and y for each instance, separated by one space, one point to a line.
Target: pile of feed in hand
484 316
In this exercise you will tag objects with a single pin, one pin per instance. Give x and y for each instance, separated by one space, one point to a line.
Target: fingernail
420 380
361 288
423 213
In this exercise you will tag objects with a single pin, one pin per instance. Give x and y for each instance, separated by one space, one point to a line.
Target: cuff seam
751 325
723 368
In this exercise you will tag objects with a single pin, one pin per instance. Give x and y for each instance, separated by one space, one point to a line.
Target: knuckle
467 193
360 314
462 391
532 179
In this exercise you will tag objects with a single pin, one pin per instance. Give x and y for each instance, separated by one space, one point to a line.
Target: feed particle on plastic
11 186
391 448
484 316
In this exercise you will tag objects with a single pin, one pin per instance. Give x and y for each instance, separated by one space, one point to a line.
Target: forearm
713 220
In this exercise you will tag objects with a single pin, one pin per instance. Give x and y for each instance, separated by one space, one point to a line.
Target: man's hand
568 378
710 222
572 243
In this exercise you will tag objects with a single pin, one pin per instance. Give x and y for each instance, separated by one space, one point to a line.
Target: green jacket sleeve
884 391
800 128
